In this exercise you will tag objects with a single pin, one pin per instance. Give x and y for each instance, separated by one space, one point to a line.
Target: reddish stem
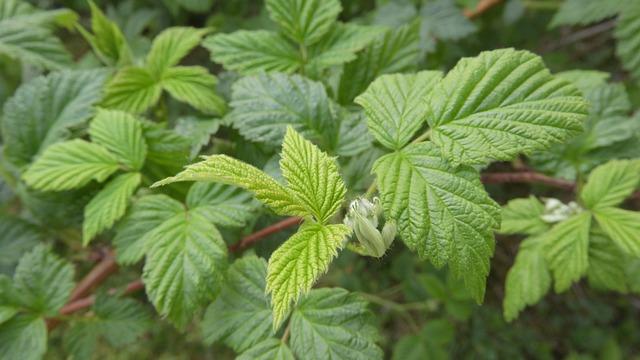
526 177
249 240
482 6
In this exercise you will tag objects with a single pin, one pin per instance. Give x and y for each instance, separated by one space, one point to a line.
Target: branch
249 240
482 6
530 177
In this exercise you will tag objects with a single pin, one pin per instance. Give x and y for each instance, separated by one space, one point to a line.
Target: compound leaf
394 105
241 315
109 205
312 176
607 265
69 165
443 212
171 46
195 86
567 250
296 265
333 324
121 134
501 103
523 216
611 183
304 21
132 89
184 266
622 226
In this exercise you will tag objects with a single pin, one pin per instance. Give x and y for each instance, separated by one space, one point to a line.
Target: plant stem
285 336
426 135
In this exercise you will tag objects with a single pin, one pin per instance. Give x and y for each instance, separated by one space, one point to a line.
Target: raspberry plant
344 157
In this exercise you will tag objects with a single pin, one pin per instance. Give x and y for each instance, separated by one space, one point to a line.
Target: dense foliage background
79 79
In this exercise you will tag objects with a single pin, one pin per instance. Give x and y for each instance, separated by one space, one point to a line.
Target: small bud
362 217
555 211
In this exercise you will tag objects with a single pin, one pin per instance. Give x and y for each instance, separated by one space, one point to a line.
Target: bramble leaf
109 205
171 46
333 324
566 248
223 205
394 105
195 86
627 34
132 89
23 338
185 265
298 263
17 237
499 104
611 183
584 12
107 40
622 227
443 212
269 349
528 280
304 21
70 165
607 265
522 216
121 134
312 176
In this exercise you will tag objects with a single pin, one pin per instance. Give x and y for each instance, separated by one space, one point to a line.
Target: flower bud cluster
363 217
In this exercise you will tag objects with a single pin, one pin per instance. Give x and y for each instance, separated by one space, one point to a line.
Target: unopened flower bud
556 211
362 217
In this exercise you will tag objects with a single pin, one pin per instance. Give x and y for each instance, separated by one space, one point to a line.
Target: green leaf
443 20
6 313
121 134
393 52
43 280
264 105
41 111
195 86
146 214
354 136
443 212
298 263
312 176
167 151
23 338
304 21
70 165
198 130
341 44
523 216
17 236
171 46
528 280
334 324
107 40
248 52
223 205
118 321
132 89
499 104
627 34
566 248
109 205
431 343
394 105
607 265
241 315
227 170
622 226
611 183
584 12
184 266
269 349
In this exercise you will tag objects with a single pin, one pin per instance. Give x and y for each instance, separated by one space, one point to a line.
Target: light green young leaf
241 315
304 21
43 280
133 89
195 86
264 105
611 183
70 165
528 280
393 52
522 216
334 324
298 263
312 176
107 39
627 34
248 52
443 212
227 170
566 248
121 134
23 338
269 349
109 205
499 104
622 226
584 12
394 105
146 214
223 205
41 111
184 267
607 265
17 237
171 46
